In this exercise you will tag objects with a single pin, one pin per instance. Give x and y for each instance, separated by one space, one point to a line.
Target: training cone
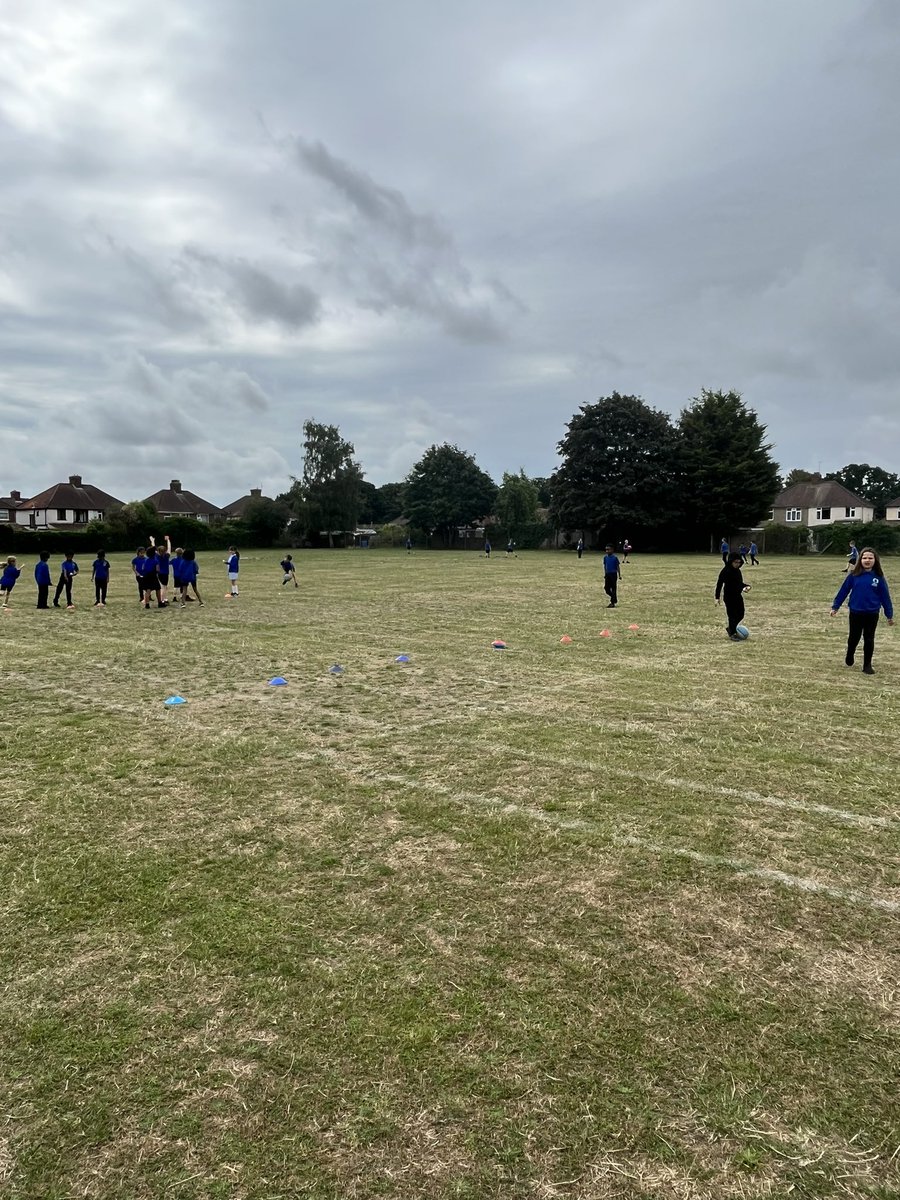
634 626
337 669
402 658
605 633
497 644
175 700
228 596
277 682
565 640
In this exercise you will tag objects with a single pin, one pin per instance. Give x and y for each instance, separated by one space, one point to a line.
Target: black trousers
43 594
610 583
65 581
862 625
100 586
735 609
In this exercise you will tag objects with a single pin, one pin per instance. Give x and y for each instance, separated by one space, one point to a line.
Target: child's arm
843 592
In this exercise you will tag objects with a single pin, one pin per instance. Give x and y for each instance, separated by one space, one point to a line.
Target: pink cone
605 633
565 640
634 626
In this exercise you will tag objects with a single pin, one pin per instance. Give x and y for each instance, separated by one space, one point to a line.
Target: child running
8 580
869 593
731 584
42 579
163 556
290 571
234 566
100 578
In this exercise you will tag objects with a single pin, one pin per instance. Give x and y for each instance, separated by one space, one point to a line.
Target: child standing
67 574
612 573
150 579
626 550
852 558
137 565
723 550
234 566
163 555
8 579
100 578
754 561
189 573
42 579
731 584
579 548
290 571
511 549
868 592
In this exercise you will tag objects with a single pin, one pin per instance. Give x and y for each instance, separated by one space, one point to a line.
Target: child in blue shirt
42 579
137 565
189 573
234 566
8 579
723 550
290 571
754 561
67 574
100 578
612 573
869 593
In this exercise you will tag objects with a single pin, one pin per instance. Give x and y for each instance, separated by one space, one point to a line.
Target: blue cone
277 682
402 658
175 700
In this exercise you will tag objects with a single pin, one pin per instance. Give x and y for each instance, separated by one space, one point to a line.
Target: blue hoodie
42 573
868 593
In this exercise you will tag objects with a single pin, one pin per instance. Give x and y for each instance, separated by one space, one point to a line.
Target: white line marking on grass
738 866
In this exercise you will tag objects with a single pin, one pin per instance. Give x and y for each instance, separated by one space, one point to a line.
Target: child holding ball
730 586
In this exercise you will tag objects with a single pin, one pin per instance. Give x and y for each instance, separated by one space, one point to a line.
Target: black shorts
149 582
164 579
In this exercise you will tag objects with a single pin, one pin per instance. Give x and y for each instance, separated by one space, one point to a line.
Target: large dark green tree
327 496
446 489
872 483
264 520
728 477
617 473
517 504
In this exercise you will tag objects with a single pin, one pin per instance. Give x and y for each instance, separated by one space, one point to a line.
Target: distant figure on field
8 579
234 566
100 578
852 558
67 573
290 571
580 547
42 579
754 561
730 586
511 549
408 546
742 550
626 550
612 573
487 548
723 550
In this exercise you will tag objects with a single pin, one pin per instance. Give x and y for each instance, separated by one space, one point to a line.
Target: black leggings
65 581
735 609
862 625
100 586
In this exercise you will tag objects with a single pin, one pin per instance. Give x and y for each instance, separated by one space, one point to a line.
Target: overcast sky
432 222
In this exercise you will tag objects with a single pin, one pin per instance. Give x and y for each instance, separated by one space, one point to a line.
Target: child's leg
870 622
854 634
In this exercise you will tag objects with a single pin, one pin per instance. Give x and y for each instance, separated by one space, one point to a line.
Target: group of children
751 552
864 587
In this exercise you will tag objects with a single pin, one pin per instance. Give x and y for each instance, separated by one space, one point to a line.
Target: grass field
613 919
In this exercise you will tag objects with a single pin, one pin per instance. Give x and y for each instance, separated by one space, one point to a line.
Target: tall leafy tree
517 503
617 473
264 520
445 489
872 483
729 479
799 475
327 496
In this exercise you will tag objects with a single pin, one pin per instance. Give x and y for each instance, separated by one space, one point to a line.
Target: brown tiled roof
827 494
176 501
237 508
893 503
69 495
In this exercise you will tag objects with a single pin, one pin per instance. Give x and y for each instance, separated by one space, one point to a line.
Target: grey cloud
258 294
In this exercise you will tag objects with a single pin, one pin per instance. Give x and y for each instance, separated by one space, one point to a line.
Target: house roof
893 503
11 502
237 508
175 501
73 494
827 494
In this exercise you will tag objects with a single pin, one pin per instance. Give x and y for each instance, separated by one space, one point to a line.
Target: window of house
851 512
794 514
60 514
80 516
4 514
823 514
771 516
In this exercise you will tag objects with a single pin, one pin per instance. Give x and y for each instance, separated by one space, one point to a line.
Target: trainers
868 671
849 660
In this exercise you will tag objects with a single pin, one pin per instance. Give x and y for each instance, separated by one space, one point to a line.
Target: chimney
175 485
75 480
256 492
15 496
